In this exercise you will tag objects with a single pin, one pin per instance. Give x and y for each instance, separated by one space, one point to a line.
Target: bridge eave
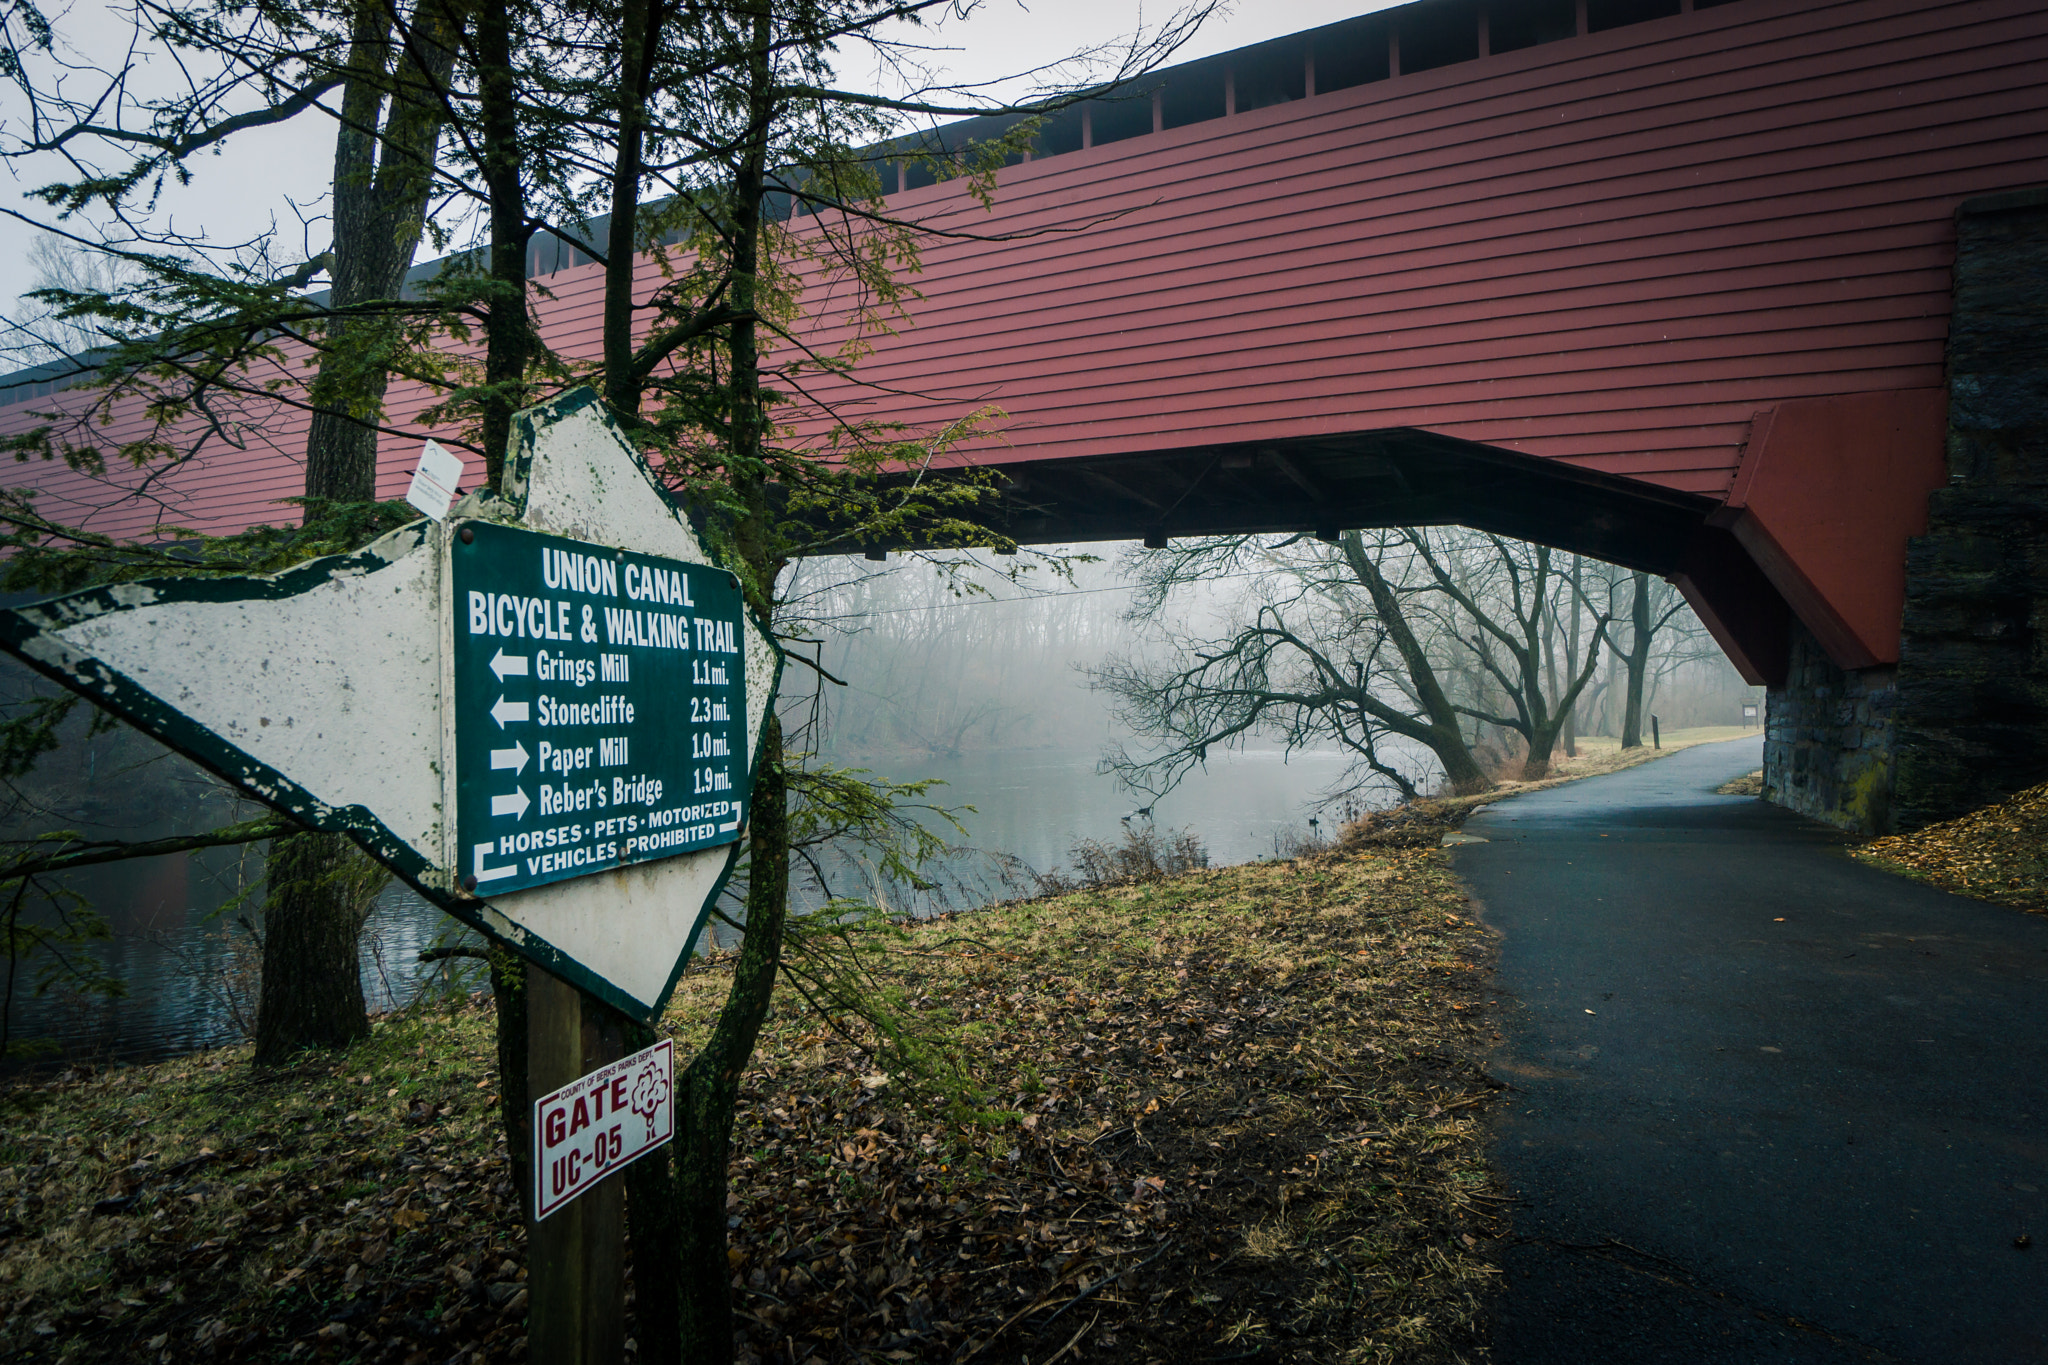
1379 479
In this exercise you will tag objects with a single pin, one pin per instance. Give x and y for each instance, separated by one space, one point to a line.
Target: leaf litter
1998 853
1229 1115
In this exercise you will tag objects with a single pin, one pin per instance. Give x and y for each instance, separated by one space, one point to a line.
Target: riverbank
1228 1109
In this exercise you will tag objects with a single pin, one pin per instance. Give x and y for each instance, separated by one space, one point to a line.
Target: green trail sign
599 707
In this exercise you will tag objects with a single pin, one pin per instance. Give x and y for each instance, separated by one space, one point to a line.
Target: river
189 968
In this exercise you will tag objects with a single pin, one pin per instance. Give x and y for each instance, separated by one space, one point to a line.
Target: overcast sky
242 191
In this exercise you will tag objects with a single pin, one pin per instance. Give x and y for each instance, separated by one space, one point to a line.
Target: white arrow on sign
514 805
491 874
733 823
508 665
508 710
513 758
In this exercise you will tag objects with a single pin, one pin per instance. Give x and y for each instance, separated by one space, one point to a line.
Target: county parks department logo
651 1092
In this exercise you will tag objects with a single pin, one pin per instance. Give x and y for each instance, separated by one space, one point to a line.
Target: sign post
540 708
575 1259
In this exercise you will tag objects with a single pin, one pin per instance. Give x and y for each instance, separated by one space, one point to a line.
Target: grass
1245 1113
1231 1111
1749 784
1675 739
196 1209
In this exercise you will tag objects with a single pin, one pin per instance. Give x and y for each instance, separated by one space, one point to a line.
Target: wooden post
576 1258
1656 734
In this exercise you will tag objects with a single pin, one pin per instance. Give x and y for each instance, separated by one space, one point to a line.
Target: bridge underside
1402 477
1405 477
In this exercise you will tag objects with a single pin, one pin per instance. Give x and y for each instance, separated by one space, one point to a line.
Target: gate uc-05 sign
601 1122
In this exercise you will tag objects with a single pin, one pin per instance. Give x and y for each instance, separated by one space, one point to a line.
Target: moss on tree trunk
321 887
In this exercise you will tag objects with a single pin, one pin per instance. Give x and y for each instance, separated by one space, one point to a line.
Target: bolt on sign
542 713
594 1126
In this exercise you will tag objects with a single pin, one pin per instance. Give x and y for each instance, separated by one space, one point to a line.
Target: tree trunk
677 1204
1637 660
312 990
321 888
515 1105
639 28
1548 726
1570 733
708 1092
508 334
382 181
1543 725
1444 736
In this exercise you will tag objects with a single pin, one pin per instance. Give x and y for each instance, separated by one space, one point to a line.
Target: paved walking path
1768 1104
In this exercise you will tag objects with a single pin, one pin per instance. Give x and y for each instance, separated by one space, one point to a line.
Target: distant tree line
1429 654
930 667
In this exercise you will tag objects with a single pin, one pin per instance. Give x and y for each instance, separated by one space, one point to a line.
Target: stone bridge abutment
1962 718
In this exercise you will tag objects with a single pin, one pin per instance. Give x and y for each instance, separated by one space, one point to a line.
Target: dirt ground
1233 1115
1749 784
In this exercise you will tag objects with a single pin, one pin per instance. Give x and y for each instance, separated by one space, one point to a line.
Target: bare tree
42 331
1321 652
1385 644
1653 604
1496 600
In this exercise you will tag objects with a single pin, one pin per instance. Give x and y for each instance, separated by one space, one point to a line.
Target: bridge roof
1613 249
1536 264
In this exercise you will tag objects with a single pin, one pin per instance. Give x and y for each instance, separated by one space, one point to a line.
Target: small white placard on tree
436 483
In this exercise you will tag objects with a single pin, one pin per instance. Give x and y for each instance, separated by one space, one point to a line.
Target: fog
944 657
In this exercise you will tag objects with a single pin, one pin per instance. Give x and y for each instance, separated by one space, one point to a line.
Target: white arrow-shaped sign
491 874
514 805
733 823
508 665
366 747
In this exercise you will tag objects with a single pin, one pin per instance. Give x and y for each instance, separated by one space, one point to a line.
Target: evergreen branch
88 853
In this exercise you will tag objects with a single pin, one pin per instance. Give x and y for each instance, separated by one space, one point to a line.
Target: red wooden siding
1613 250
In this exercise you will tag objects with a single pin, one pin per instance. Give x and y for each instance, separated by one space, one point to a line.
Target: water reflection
190 965
1032 807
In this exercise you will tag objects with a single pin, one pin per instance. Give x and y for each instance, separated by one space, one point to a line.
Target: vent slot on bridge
1511 28
1272 73
1351 53
1059 133
1113 120
1602 15
1438 33
1192 94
